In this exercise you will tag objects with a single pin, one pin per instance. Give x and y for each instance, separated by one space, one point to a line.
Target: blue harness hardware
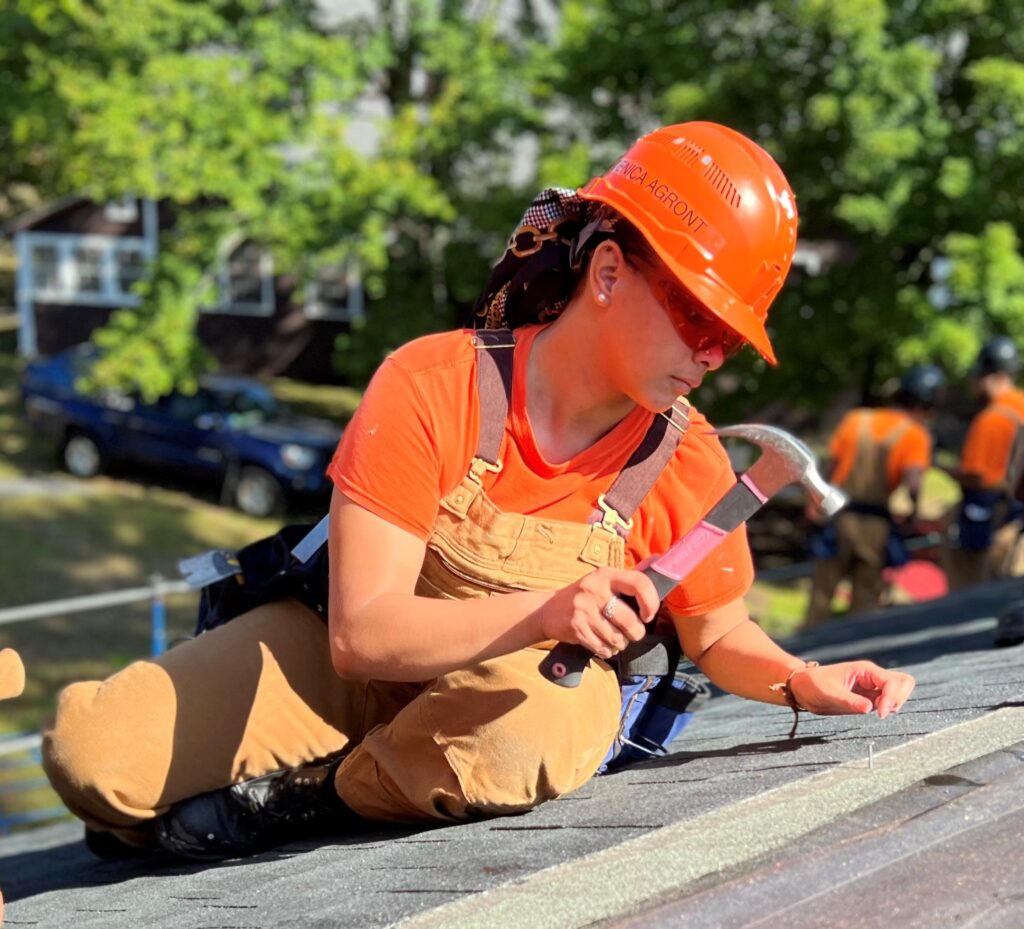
655 710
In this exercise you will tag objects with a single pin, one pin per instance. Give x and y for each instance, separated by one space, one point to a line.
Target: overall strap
868 480
617 505
494 359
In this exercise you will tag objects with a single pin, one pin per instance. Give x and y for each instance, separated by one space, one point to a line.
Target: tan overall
861 537
259 693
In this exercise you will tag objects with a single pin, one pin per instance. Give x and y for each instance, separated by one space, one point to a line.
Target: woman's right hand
576 614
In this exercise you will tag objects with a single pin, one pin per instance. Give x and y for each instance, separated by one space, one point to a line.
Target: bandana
534 280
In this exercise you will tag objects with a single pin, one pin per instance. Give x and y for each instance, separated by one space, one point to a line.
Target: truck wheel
81 455
257 492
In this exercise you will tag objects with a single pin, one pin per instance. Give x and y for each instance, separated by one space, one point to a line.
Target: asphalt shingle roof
735 793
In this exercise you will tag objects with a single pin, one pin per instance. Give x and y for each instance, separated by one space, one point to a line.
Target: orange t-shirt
415 433
912 448
986 450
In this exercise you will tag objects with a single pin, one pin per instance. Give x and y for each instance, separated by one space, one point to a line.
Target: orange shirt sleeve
986 450
409 443
842 447
700 475
724 576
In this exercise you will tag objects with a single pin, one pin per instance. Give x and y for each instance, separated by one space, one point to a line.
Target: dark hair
635 248
547 257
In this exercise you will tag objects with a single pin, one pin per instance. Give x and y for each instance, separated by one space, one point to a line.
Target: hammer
784 460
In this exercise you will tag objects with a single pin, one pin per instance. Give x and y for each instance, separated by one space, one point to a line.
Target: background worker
988 522
494 492
872 452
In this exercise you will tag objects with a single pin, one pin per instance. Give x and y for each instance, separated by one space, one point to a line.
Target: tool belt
825 542
982 512
658 701
273 568
655 655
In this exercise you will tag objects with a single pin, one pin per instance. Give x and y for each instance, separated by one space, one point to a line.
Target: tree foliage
32 126
357 138
410 135
899 125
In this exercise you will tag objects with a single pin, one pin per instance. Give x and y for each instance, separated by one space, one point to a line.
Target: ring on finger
608 610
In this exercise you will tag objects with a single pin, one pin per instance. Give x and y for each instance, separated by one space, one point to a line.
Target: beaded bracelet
786 687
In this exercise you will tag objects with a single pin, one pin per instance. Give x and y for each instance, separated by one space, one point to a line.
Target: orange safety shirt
911 449
986 450
415 433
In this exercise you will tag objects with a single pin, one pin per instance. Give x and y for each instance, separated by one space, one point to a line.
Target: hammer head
785 460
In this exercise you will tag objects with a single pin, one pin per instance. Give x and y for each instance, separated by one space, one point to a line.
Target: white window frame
33 266
265 305
68 289
125 210
117 267
354 308
67 292
104 263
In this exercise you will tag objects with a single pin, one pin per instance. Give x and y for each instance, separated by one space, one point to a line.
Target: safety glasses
701 330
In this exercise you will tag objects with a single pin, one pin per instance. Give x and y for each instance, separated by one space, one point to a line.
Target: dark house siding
59 327
83 217
285 342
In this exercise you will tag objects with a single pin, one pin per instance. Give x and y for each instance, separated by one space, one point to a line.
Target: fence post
158 617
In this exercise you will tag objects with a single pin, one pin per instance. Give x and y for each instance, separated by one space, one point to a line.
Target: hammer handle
737 505
564 664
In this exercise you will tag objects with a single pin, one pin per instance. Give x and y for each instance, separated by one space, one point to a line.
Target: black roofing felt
733 751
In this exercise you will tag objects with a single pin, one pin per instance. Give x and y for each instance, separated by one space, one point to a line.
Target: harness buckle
478 342
680 407
479 466
611 520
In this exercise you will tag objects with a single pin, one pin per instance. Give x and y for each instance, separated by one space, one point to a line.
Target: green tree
464 89
249 119
899 125
33 125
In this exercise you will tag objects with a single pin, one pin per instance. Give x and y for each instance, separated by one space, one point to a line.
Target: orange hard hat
718 211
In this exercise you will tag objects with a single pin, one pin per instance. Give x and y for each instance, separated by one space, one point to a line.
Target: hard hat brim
712 293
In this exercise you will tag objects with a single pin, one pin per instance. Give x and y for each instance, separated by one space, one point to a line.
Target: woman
540 464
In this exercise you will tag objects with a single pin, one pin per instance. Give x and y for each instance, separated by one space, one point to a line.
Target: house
77 261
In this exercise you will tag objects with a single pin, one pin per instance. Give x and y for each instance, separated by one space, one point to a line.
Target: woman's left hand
851 687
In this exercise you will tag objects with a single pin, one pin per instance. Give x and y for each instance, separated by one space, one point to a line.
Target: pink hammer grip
689 551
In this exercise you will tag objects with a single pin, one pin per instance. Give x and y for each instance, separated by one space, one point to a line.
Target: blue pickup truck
232 431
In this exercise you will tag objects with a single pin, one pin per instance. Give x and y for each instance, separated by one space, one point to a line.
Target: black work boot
256 815
109 847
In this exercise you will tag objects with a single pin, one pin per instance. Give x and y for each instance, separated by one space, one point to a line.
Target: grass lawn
18 454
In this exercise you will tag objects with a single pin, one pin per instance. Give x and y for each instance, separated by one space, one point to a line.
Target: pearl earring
602 299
